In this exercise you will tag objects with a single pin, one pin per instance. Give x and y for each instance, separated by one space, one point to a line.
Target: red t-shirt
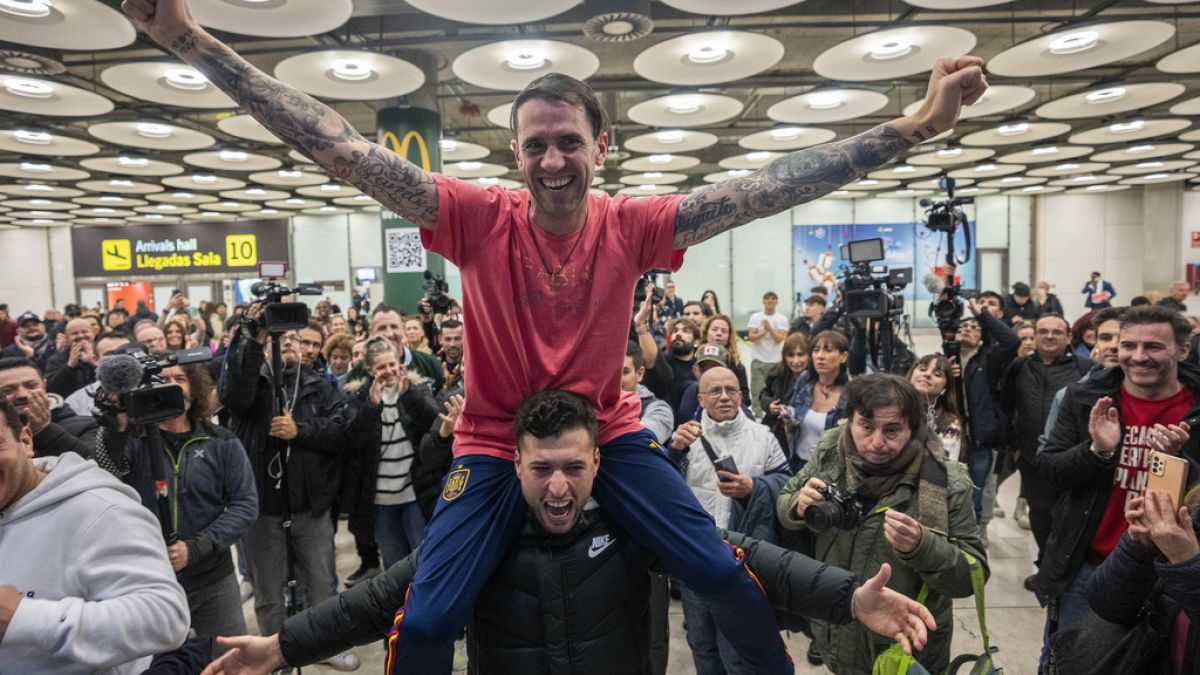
519 336
1138 416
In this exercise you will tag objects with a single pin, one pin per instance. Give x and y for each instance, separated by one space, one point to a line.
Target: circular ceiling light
494 12
187 79
685 110
233 155
708 57
892 53
683 105
351 70
28 9
1126 127
707 51
1013 129
153 130
1105 95
890 48
826 100
33 137
272 18
528 58
20 86
1074 43
670 136
510 65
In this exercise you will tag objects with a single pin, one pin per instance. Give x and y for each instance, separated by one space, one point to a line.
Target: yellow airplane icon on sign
115 254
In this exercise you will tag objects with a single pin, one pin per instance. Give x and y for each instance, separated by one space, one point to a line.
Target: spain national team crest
456 482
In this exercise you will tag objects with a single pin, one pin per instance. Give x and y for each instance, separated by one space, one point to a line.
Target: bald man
74 365
752 470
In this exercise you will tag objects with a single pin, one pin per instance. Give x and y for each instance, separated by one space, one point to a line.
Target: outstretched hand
891 614
247 655
953 84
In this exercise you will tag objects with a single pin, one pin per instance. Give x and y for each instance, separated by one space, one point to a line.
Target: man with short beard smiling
685 338
1097 456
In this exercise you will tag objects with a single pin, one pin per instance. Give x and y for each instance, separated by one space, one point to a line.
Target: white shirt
768 349
811 428
753 447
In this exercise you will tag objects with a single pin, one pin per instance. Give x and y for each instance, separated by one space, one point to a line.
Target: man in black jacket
1030 386
988 346
306 429
571 595
74 366
1098 453
56 428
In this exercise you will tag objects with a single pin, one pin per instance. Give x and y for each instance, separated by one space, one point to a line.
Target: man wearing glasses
726 458
1030 386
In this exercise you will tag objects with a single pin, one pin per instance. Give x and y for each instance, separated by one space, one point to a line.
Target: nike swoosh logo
599 546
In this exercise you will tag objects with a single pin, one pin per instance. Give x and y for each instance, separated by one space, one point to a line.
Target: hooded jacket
1083 480
99 593
937 561
66 432
751 445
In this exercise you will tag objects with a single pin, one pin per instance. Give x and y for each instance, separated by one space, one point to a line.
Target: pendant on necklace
556 280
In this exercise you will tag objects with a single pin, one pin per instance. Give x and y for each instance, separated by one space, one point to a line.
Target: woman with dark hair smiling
817 401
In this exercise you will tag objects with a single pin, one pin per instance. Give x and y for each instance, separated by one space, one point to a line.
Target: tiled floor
1014 618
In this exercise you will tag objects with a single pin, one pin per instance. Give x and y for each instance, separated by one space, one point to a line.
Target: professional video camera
279 317
130 383
639 290
947 216
436 290
871 292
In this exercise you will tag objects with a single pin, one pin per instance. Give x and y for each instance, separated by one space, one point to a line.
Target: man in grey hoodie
85 585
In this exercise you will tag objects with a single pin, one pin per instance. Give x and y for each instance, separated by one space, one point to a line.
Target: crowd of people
529 468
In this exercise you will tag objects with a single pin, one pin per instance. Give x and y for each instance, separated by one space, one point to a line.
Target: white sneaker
460 655
246 589
347 660
1021 513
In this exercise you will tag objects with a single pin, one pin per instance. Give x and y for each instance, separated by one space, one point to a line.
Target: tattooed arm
808 174
311 127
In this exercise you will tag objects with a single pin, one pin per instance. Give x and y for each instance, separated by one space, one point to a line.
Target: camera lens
821 516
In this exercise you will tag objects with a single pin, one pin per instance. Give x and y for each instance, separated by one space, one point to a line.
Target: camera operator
308 435
210 490
881 478
987 346
55 426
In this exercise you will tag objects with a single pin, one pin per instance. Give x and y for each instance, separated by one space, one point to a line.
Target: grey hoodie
100 596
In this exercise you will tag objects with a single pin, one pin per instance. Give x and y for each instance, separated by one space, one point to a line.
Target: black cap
1021 288
27 317
72 310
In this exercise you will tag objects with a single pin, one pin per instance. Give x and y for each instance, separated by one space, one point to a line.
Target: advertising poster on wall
818 260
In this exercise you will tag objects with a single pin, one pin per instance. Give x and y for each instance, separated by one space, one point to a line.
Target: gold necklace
554 278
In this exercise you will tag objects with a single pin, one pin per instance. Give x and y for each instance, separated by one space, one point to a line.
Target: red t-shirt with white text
519 335
1133 467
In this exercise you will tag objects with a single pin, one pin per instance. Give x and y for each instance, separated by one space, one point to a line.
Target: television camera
873 294
947 216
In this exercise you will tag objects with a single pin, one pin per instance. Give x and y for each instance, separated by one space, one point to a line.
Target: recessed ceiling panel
892 53
509 65
350 75
708 57
1079 47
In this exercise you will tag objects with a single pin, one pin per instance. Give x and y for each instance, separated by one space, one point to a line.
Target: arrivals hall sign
134 251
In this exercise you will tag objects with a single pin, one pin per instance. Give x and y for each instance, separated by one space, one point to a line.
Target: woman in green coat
913 509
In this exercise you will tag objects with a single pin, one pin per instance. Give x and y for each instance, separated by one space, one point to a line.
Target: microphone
934 284
119 373
257 287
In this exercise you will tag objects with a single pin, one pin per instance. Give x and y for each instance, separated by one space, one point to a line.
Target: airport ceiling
109 128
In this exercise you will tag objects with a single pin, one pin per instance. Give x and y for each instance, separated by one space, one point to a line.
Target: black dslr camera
841 509
639 290
436 290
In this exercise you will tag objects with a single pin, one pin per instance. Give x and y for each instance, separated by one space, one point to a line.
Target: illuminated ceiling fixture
38 187
465 166
39 202
103 209
209 214
351 70
1139 149
1126 127
166 207
737 173
204 178
1096 187
683 105
760 156
110 198
448 144
652 175
670 136
839 193
268 212
287 174
490 180
1150 165
825 100
328 208
1106 95
659 159
1081 179
868 181
231 155
785 133
229 205
1034 188
1067 167
904 168
133 161
526 59
1046 150
35 166
332 187
891 49
648 188
1013 129
120 182
184 195
256 192
950 152
186 79
33 137
984 168
293 200
707 51
29 9
1011 179
1156 176
20 86
486 180
1073 43
153 130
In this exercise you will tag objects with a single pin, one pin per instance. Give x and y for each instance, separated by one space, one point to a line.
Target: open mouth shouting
558 514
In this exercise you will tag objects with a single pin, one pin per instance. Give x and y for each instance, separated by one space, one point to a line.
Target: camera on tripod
871 292
947 216
436 293
279 317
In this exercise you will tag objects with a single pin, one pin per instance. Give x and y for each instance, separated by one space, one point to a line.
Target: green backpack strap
977 588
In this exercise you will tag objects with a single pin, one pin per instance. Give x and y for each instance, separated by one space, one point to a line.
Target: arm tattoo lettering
795 178
317 131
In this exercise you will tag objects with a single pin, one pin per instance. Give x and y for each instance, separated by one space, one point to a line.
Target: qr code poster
404 250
